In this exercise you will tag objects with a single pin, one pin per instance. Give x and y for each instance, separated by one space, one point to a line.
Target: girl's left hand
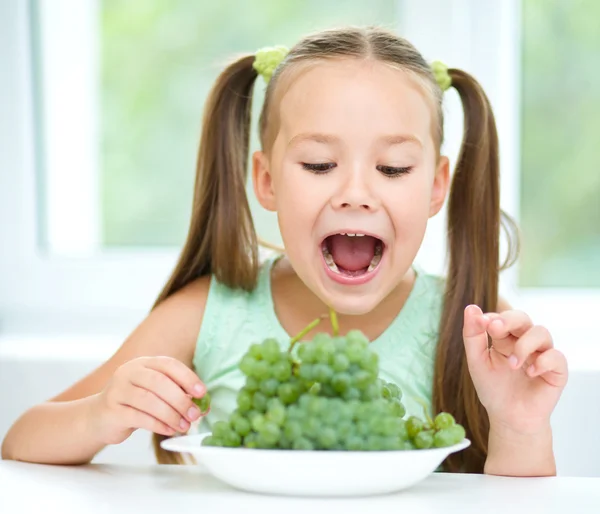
520 378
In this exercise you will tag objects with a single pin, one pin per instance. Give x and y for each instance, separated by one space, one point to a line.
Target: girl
351 129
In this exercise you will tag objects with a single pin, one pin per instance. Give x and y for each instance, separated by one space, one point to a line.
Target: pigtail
221 239
474 222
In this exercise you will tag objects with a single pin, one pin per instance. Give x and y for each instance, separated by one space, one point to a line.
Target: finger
177 371
536 339
514 323
146 401
474 334
552 366
163 387
135 418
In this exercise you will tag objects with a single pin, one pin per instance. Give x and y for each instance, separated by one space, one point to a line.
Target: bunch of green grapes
437 433
325 396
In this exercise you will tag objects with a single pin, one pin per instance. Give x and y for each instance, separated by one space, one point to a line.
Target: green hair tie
267 59
440 72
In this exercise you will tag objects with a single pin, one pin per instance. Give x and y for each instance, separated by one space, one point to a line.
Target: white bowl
314 473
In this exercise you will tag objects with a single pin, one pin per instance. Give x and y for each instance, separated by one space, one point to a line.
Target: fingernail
498 323
193 413
486 317
199 389
183 424
513 361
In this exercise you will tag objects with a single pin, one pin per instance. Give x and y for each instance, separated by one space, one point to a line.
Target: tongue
352 253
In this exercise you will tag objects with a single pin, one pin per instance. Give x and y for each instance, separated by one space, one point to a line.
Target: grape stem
334 321
427 416
303 332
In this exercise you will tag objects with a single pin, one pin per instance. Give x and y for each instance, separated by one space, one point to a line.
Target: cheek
409 208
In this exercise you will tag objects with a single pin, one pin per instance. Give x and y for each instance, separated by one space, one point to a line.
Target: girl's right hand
153 393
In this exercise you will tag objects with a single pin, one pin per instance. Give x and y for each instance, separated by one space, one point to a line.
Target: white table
95 488
103 488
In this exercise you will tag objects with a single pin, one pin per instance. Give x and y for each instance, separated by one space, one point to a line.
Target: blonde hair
222 239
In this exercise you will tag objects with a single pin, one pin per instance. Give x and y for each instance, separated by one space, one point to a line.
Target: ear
439 188
263 181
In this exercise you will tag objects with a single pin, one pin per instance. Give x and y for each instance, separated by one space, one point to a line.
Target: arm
64 430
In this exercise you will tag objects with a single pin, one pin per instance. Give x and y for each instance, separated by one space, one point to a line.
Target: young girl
351 129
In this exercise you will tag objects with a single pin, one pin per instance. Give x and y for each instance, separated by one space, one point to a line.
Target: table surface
95 488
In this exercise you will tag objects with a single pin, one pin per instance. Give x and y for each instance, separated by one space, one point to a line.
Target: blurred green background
560 138
159 59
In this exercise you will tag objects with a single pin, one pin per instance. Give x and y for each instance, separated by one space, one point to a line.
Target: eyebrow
317 137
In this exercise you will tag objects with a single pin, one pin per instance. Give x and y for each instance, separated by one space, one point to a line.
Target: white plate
314 473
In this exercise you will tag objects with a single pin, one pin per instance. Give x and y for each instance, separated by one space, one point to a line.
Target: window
102 108
560 184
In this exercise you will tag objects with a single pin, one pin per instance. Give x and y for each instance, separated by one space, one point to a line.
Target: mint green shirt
234 319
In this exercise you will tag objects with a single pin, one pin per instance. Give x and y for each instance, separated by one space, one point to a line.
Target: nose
356 193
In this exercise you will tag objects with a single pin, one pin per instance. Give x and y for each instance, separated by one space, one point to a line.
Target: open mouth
352 254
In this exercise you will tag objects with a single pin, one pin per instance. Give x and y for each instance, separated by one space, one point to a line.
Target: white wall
33 370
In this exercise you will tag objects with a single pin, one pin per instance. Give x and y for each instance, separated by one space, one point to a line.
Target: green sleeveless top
234 319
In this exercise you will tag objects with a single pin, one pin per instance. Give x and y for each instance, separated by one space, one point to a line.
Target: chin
351 305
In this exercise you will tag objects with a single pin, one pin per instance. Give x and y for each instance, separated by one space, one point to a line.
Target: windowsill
582 357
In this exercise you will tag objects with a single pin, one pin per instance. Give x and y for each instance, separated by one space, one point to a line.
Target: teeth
351 235
329 260
374 261
378 250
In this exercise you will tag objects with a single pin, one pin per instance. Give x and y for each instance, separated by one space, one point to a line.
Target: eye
392 172
318 168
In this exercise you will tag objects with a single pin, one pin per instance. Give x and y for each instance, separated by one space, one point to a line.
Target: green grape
355 443
321 338
401 430
393 443
282 370
374 443
370 362
242 426
371 392
258 422
261 370
345 429
220 428
250 440
362 379
424 439
341 382
358 338
397 407
270 350
386 392
203 403
413 426
288 392
264 443
276 415
248 365
252 384
449 436
325 352
269 387
444 420
351 394
259 401
340 362
255 351
311 427
322 373
354 352
306 372
394 390
388 426
302 444
307 353
270 432
210 441
232 439
292 430
327 438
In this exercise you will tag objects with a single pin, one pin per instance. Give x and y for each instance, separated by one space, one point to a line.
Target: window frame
84 290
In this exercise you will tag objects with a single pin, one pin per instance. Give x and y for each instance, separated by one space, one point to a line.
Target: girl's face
353 177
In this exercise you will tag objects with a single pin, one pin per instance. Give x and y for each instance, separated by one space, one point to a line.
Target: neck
296 305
